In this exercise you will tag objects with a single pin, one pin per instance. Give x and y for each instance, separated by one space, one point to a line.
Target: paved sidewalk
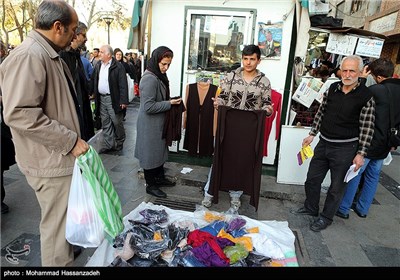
370 242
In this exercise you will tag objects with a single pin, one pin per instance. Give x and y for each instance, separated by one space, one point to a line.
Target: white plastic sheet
272 234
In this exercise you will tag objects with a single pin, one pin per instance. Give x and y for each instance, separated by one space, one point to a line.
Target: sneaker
232 211
207 201
235 202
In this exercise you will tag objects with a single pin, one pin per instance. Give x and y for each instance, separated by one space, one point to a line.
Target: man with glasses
72 57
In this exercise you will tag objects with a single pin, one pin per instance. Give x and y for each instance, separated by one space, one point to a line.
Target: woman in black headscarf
151 149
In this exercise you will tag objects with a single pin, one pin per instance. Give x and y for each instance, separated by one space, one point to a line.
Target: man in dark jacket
382 71
110 87
72 58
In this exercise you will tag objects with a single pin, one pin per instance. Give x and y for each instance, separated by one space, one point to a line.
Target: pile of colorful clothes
155 235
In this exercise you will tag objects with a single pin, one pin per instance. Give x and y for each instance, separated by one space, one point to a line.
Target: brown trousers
52 195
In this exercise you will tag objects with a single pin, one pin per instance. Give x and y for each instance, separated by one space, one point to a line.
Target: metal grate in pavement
390 184
176 203
382 256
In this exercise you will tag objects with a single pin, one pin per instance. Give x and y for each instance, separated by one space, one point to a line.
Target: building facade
380 16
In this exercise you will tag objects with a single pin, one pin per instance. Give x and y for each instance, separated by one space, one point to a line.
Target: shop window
356 6
216 38
317 68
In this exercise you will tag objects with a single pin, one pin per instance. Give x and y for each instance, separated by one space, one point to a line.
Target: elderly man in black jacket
110 87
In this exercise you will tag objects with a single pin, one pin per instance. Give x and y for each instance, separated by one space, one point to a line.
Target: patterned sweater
238 94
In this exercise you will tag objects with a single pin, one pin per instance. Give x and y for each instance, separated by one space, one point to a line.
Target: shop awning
138 25
356 31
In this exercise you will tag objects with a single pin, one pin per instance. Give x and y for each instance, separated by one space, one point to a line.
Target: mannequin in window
199 118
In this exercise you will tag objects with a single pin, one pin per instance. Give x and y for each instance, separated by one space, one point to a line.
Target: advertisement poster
369 47
270 39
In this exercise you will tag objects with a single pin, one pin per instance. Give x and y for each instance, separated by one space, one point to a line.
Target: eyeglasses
83 34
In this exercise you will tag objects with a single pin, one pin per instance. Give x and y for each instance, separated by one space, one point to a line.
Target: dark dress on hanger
237 161
199 139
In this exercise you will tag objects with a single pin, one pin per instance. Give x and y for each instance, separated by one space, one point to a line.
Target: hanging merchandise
276 103
199 118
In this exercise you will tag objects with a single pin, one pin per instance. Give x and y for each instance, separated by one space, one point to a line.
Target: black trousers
3 191
336 157
150 175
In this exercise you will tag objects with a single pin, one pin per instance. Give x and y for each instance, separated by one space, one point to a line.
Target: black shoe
77 250
341 215
358 213
319 225
165 182
4 208
304 211
153 190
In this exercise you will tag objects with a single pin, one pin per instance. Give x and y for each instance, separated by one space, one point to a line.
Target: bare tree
18 15
95 12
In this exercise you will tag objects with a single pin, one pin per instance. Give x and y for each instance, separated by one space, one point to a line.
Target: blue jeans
371 169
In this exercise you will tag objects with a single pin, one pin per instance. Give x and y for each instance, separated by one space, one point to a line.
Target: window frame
249 16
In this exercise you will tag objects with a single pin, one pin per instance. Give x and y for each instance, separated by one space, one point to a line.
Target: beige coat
39 108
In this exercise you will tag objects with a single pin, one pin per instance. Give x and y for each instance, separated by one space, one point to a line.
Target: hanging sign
341 44
369 47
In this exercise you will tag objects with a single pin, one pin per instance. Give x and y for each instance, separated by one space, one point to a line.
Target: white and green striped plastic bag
106 198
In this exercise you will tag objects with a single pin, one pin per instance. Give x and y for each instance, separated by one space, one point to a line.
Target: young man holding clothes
245 88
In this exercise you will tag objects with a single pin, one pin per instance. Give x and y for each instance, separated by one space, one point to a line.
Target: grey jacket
150 148
39 108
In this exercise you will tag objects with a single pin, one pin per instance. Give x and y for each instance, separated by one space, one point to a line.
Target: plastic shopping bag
388 159
136 89
106 199
97 140
131 89
84 225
